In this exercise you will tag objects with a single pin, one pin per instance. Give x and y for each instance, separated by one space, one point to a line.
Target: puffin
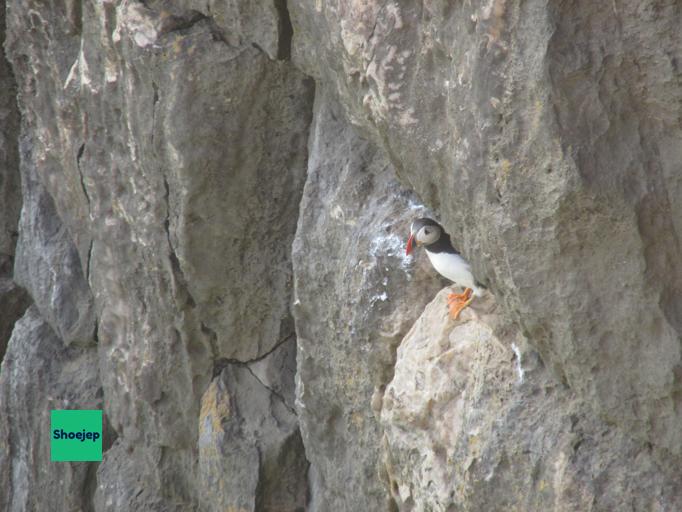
447 261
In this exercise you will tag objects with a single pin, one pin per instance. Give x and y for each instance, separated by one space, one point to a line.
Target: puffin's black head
423 231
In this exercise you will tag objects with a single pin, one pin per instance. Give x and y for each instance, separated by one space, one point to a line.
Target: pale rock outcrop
474 421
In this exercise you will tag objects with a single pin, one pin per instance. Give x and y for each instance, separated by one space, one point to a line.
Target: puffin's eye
426 231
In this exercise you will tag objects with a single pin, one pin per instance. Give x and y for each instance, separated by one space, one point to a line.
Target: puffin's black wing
443 244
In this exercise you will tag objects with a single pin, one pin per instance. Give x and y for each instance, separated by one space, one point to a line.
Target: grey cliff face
203 212
356 296
39 373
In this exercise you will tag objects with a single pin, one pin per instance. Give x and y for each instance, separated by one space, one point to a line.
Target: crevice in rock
213 344
286 31
74 13
88 263
109 435
10 187
215 30
79 155
220 364
155 101
14 301
170 23
376 22
260 484
89 488
257 47
95 334
181 280
279 343
371 34
175 23
272 391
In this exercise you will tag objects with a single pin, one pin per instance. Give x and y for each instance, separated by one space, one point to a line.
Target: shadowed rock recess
203 212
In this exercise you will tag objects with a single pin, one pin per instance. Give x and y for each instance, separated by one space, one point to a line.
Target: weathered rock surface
164 158
175 159
13 303
250 451
48 266
357 294
475 422
547 136
39 373
241 23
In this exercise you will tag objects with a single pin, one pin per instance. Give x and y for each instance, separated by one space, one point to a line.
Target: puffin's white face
427 235
423 232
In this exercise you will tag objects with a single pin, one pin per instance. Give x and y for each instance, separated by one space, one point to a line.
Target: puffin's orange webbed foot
460 297
455 297
458 301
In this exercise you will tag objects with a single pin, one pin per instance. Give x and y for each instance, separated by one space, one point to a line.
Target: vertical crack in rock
179 276
213 343
79 156
89 488
81 150
374 46
260 485
155 102
286 30
13 299
88 264
374 27
10 186
95 334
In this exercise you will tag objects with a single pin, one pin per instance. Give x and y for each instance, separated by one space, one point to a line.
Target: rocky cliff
203 211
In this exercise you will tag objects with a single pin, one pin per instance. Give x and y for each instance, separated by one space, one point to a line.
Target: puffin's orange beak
410 245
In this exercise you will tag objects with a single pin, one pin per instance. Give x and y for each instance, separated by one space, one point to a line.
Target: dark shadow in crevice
286 30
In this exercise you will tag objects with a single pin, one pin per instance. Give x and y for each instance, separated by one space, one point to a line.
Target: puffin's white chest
454 267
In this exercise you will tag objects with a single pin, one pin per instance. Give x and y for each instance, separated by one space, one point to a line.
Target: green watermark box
75 435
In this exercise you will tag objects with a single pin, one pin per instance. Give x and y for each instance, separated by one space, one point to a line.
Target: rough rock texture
175 160
250 451
47 265
164 155
10 193
357 294
38 374
492 429
547 135
13 302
